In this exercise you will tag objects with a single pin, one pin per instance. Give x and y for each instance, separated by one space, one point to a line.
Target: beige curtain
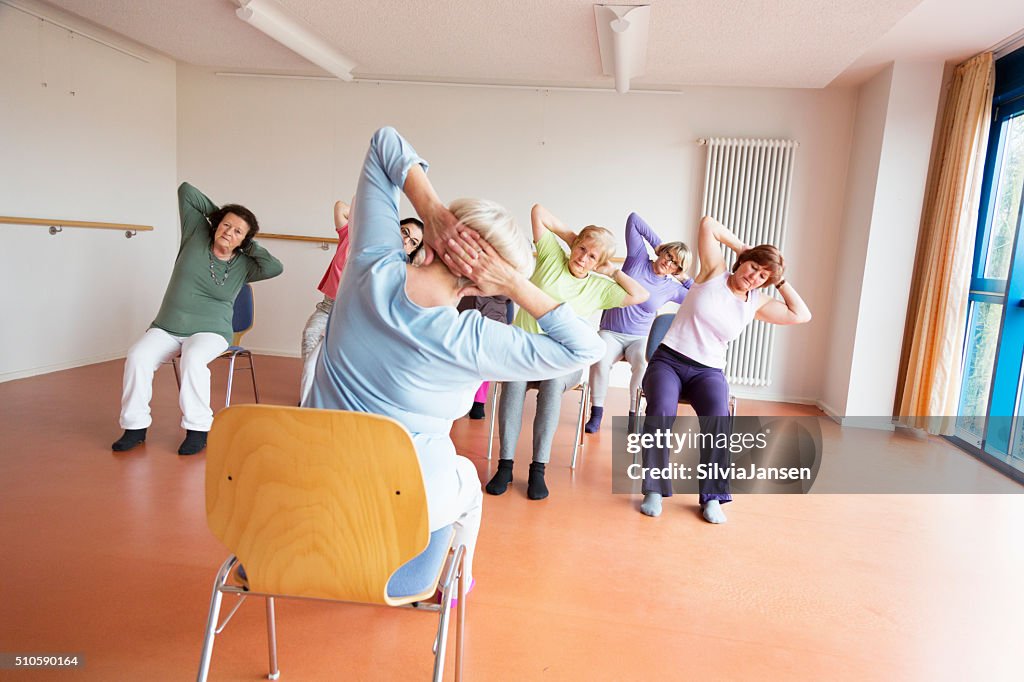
928 392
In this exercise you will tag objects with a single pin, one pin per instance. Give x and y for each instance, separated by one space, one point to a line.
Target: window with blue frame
993 380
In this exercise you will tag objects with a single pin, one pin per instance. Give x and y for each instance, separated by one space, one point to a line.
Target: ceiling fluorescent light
279 24
622 38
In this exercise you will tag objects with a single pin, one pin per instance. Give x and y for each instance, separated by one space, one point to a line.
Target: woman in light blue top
395 344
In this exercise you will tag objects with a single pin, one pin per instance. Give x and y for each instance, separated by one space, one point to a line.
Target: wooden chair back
315 503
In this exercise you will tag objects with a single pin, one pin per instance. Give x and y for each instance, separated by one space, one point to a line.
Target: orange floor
109 556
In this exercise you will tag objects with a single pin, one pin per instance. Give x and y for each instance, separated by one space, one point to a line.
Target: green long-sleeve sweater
194 301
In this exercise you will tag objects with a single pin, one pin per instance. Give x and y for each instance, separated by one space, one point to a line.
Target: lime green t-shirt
586 296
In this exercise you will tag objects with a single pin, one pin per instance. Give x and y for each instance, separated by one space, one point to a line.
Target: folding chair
241 322
325 504
583 387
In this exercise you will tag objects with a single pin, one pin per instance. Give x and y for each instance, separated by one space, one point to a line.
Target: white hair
499 228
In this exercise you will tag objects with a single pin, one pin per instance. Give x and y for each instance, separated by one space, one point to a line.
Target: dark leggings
670 378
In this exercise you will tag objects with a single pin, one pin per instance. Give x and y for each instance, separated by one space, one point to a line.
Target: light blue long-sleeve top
384 354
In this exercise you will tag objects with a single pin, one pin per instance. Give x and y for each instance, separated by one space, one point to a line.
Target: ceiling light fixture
622 38
296 35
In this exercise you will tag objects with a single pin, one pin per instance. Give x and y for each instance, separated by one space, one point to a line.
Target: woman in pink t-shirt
313 333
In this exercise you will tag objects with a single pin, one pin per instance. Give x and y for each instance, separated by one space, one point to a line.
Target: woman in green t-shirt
567 279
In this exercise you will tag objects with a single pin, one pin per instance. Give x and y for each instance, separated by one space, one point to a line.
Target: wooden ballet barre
322 241
59 225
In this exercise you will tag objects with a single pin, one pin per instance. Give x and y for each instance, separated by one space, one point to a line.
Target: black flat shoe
129 440
194 443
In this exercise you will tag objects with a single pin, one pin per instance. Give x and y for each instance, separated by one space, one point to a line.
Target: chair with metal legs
313 515
583 387
241 322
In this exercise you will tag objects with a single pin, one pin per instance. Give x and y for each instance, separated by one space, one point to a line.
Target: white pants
454 497
312 342
618 346
155 348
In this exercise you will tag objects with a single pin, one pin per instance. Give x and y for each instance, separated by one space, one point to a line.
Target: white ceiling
766 43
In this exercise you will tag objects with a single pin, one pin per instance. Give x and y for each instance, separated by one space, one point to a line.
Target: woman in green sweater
217 255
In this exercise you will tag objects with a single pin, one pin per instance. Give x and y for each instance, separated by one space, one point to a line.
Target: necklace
227 269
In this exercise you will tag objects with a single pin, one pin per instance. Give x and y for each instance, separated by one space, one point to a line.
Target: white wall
893 142
105 154
861 185
892 245
289 148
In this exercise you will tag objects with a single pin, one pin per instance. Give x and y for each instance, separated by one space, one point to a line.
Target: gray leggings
549 404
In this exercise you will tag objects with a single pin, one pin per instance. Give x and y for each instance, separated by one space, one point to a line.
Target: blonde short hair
678 251
499 228
604 238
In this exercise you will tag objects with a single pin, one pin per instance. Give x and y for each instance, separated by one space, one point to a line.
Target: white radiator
746 187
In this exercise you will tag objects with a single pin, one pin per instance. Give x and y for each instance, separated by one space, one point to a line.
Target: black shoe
502 477
594 424
477 411
536 489
194 443
129 440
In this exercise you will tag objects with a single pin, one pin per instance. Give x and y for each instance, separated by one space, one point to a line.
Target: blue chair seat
421 573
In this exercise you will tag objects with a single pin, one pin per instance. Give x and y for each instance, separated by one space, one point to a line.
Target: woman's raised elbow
634 300
802 317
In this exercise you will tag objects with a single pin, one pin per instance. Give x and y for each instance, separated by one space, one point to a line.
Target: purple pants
672 377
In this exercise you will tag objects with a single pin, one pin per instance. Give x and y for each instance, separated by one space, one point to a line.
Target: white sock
713 512
651 505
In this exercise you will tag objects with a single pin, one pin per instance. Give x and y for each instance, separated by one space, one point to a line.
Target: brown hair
242 212
766 256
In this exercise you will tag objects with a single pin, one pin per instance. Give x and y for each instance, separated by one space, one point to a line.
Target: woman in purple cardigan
624 330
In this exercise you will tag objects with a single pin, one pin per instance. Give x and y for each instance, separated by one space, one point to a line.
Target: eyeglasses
672 261
407 234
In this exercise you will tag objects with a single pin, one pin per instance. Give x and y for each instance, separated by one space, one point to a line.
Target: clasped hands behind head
480 269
